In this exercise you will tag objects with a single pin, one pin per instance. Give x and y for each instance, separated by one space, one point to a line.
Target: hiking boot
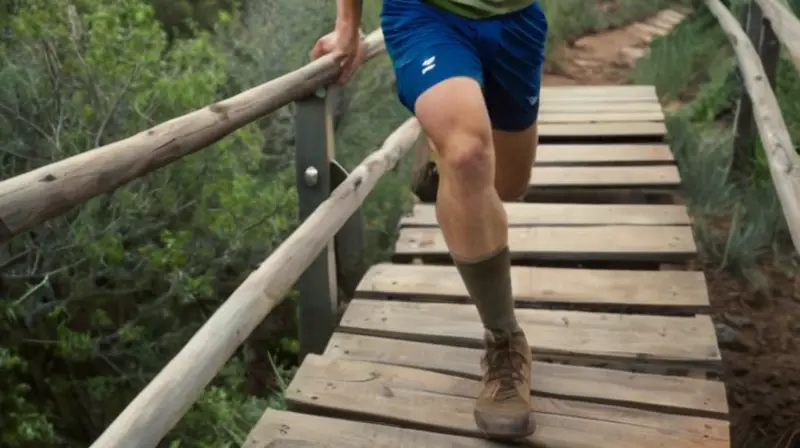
426 185
503 409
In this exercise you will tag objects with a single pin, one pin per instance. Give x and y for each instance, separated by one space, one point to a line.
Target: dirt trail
608 57
758 331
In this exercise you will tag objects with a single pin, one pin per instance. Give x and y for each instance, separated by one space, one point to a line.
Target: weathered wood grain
608 243
430 401
678 290
638 390
681 340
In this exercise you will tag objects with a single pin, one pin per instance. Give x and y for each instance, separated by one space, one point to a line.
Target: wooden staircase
625 352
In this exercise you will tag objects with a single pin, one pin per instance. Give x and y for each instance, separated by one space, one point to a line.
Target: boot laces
504 366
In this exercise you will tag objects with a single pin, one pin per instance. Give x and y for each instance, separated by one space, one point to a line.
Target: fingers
348 69
350 66
318 50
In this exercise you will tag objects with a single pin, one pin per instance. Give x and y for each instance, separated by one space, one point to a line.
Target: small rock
725 333
738 321
729 338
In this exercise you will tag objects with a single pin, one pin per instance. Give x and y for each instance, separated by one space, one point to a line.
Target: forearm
348 15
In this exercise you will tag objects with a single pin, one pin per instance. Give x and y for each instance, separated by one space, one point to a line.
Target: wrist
347 29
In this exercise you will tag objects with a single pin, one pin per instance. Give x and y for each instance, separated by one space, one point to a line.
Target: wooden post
744 125
769 50
349 243
315 151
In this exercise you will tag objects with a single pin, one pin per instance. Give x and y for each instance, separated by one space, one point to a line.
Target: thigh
515 152
512 54
512 83
426 46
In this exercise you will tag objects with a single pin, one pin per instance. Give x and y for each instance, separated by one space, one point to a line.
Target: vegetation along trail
94 303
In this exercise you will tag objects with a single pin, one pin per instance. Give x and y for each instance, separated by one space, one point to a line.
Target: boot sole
507 435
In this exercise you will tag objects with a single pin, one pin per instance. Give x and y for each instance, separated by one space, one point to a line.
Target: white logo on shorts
428 64
533 99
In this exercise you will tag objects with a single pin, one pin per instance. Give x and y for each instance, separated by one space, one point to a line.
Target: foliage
738 219
96 302
180 17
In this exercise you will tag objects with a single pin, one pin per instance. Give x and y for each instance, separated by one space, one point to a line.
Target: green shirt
481 9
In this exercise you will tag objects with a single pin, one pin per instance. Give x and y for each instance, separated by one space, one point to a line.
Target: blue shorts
504 54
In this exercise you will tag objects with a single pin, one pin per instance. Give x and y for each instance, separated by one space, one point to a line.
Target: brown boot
503 409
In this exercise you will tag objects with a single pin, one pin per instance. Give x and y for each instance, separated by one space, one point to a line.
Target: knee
467 157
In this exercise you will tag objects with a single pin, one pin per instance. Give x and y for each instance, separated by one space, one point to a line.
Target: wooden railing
768 24
327 245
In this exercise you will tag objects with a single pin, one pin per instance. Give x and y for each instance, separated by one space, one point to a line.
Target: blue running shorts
504 54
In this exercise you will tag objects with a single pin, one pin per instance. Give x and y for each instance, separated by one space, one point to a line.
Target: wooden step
418 399
599 92
599 107
630 129
595 243
675 291
659 176
599 154
638 390
284 429
593 117
547 214
684 341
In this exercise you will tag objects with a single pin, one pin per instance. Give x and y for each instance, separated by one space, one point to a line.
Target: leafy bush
96 302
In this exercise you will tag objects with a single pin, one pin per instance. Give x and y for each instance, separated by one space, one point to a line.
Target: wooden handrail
168 396
52 190
785 25
783 160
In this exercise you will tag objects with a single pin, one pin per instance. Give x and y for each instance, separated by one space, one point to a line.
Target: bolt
311 176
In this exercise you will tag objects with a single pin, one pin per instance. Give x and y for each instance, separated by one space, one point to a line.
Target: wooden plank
606 176
652 243
281 429
629 161
664 22
599 107
650 29
640 390
545 214
599 91
673 16
419 399
632 129
681 290
603 154
573 99
588 117
683 340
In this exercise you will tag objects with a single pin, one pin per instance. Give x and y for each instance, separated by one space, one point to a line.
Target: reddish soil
607 57
759 330
759 333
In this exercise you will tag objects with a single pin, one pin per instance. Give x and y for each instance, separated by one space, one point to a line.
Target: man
470 71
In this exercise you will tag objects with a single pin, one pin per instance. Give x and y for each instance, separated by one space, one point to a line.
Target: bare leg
515 153
474 223
468 207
